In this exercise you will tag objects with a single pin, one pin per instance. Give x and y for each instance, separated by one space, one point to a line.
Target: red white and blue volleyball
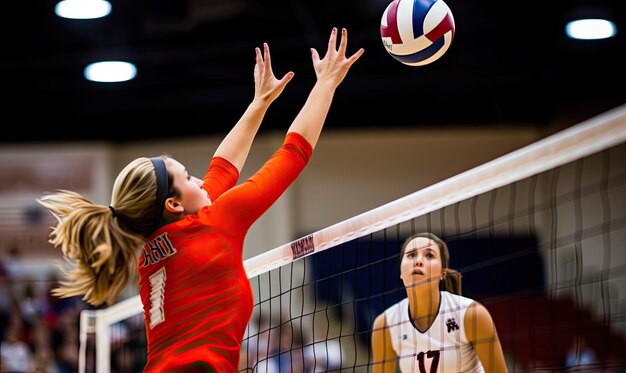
417 32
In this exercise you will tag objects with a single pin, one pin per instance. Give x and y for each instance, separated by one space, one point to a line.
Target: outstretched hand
334 66
266 86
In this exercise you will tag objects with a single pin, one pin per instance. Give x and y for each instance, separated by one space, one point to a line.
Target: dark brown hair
451 278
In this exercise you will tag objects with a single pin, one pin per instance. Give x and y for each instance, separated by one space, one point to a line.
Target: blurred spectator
15 355
285 348
31 307
12 262
6 300
41 344
323 356
44 362
65 340
39 332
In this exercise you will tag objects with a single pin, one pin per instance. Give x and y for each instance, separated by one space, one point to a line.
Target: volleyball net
539 236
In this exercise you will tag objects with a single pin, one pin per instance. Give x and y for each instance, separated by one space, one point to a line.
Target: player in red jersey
196 295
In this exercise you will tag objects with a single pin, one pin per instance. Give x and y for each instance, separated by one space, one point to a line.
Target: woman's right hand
266 87
334 66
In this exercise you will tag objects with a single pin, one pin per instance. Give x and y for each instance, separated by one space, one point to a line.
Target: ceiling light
82 9
590 29
110 71
591 20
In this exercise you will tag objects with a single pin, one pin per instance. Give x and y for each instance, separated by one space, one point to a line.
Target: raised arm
481 332
236 145
330 72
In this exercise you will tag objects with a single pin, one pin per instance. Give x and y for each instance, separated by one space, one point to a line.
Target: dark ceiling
510 63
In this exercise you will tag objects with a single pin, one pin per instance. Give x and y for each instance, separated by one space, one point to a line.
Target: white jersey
443 348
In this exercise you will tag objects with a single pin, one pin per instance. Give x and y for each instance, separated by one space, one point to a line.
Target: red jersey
196 295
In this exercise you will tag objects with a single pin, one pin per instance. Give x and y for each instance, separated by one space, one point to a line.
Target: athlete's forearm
310 120
236 145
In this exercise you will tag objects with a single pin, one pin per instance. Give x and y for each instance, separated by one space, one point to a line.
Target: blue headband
162 185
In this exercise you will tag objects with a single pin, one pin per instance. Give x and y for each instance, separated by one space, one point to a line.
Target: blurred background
509 63
511 77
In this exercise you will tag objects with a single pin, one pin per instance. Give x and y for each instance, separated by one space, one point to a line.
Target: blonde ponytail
100 243
101 255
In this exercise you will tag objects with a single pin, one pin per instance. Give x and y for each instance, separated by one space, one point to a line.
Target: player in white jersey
433 330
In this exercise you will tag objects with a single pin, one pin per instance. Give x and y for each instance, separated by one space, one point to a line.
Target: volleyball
417 32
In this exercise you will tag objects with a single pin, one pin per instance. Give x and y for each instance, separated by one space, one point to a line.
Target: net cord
586 138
